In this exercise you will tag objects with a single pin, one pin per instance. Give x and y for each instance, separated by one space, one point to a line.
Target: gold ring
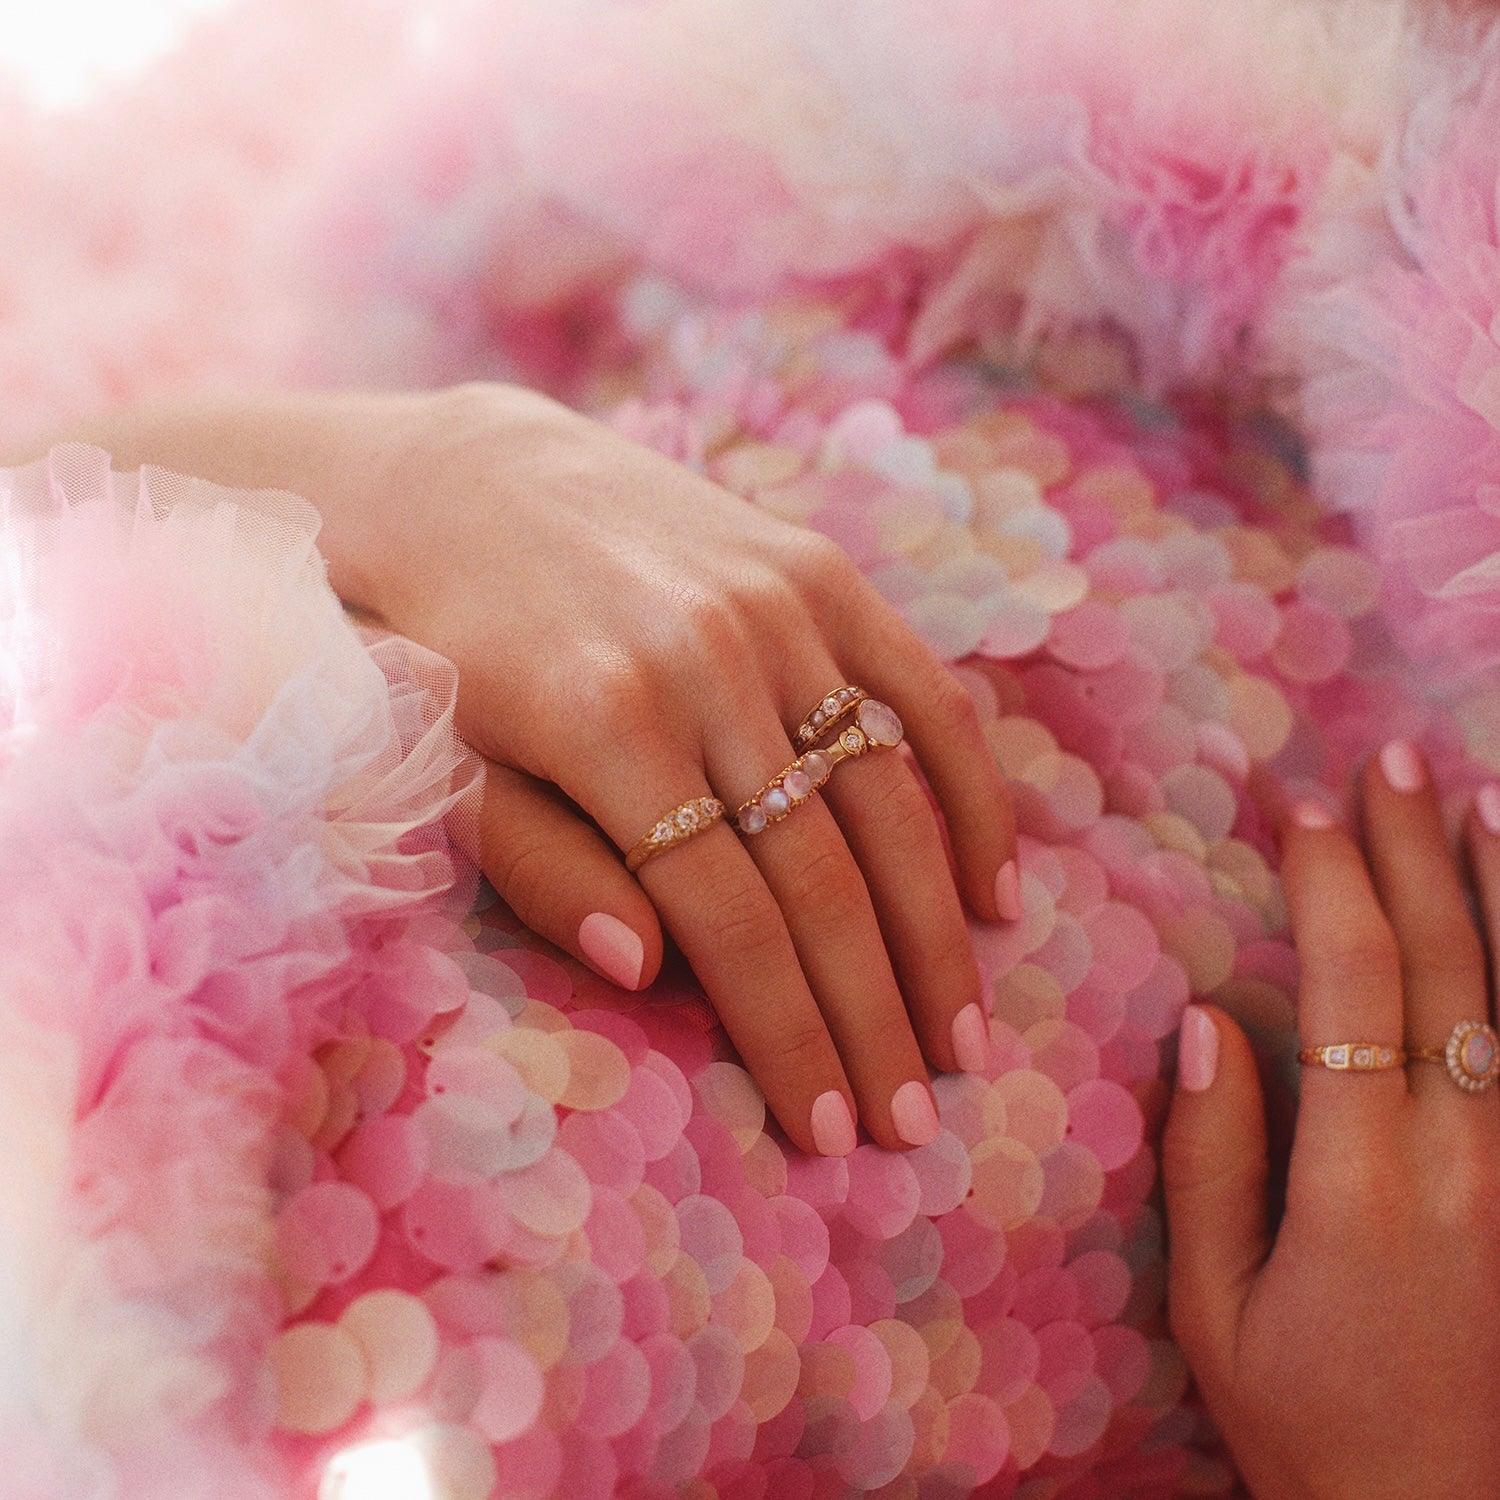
1354 1057
838 705
876 727
677 827
1471 1054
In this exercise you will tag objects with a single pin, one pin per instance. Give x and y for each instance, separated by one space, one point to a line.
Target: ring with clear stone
1471 1055
838 705
1353 1057
676 827
875 727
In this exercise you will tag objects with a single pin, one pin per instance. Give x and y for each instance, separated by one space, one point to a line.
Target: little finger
563 880
1442 961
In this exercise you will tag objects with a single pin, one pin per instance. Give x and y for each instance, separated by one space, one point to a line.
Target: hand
628 637
1355 1353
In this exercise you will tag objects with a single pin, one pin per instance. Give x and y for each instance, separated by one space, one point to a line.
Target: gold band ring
876 727
1354 1057
677 827
1471 1055
838 705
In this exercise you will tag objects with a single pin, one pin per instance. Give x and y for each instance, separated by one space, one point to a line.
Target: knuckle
744 921
952 704
798 1049
624 698
525 875
1355 958
719 628
1446 951
817 564
906 817
827 880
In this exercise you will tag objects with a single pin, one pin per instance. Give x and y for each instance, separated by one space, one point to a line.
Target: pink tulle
211 801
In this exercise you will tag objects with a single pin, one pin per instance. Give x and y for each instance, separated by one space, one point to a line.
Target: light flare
19 633
63 51
387 1470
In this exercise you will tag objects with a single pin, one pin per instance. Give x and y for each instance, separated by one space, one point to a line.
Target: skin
1355 1352
628 637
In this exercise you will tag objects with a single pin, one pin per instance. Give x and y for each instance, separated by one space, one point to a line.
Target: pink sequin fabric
316 1185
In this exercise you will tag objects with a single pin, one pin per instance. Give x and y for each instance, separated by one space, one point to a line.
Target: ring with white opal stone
838 705
875 727
1471 1055
676 827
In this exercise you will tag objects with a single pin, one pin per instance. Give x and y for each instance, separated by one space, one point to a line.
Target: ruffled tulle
215 806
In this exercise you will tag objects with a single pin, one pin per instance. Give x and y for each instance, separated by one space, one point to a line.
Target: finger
1442 962
1350 987
564 881
892 832
730 929
715 904
1214 1173
1484 859
811 872
891 661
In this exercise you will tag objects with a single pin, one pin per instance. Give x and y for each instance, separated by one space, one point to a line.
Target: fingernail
613 948
1197 1050
914 1114
1402 767
1487 804
1313 815
1008 892
971 1039
832 1124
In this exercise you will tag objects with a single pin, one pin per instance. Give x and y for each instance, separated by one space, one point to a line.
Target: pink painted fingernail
971 1039
1313 815
1197 1050
1487 805
832 1124
914 1114
1402 767
613 948
1008 892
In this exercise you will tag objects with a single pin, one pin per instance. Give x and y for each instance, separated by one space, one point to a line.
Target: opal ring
677 827
875 727
838 705
1353 1057
1471 1055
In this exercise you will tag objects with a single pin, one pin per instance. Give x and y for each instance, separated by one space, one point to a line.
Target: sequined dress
342 1186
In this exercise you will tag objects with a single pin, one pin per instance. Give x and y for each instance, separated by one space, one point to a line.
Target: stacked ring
679 825
876 727
837 706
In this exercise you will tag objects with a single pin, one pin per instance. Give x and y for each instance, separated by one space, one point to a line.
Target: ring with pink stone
875 727
836 707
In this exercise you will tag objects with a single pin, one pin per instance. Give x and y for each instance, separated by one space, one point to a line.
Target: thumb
1214 1171
564 881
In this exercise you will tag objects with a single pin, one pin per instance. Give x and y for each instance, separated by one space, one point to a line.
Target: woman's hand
630 637
1357 1352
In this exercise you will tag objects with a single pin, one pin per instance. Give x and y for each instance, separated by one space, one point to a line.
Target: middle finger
814 879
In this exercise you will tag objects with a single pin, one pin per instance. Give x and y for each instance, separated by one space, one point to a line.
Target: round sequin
399 1339
320 1375
327 1233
